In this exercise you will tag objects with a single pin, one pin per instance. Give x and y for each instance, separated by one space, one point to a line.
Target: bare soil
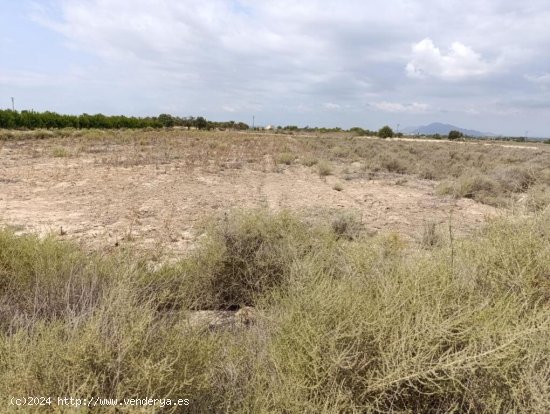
161 205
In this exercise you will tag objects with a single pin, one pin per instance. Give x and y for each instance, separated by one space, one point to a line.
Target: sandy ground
161 206
526 146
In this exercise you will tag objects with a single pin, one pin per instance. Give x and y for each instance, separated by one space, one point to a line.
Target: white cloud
240 107
460 62
309 61
541 80
395 107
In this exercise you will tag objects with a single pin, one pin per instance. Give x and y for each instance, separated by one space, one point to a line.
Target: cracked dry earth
160 206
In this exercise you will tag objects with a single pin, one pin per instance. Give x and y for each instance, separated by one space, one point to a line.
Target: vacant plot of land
153 188
275 273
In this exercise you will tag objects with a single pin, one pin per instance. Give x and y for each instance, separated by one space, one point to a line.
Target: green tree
454 134
201 123
166 120
385 132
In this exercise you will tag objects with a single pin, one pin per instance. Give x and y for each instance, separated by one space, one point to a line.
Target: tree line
10 119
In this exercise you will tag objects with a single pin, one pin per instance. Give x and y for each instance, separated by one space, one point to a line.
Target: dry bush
374 343
340 152
286 158
515 179
430 235
427 173
240 259
47 279
324 168
309 161
248 255
394 165
346 225
471 185
538 197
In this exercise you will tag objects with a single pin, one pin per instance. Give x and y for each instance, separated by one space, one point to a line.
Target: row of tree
10 119
33 120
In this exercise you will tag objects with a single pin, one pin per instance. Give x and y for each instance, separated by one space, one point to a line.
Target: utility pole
253 119
13 103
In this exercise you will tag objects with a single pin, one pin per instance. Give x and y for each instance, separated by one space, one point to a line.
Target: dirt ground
160 206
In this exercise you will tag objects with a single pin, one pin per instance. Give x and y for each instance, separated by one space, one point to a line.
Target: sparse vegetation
484 171
348 314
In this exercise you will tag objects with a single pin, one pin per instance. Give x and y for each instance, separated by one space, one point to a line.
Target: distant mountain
444 129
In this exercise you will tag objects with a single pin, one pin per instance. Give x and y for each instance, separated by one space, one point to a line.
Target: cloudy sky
477 64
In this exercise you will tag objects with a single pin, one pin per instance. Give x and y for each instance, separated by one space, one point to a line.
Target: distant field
154 188
264 272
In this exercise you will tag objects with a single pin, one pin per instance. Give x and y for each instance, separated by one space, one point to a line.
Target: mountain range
444 129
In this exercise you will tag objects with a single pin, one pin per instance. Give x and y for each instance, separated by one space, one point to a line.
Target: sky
481 65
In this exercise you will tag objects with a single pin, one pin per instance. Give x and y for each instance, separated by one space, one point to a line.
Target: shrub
324 168
340 152
285 158
309 161
471 185
427 173
47 279
244 257
364 344
385 132
515 179
394 165
538 197
347 226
